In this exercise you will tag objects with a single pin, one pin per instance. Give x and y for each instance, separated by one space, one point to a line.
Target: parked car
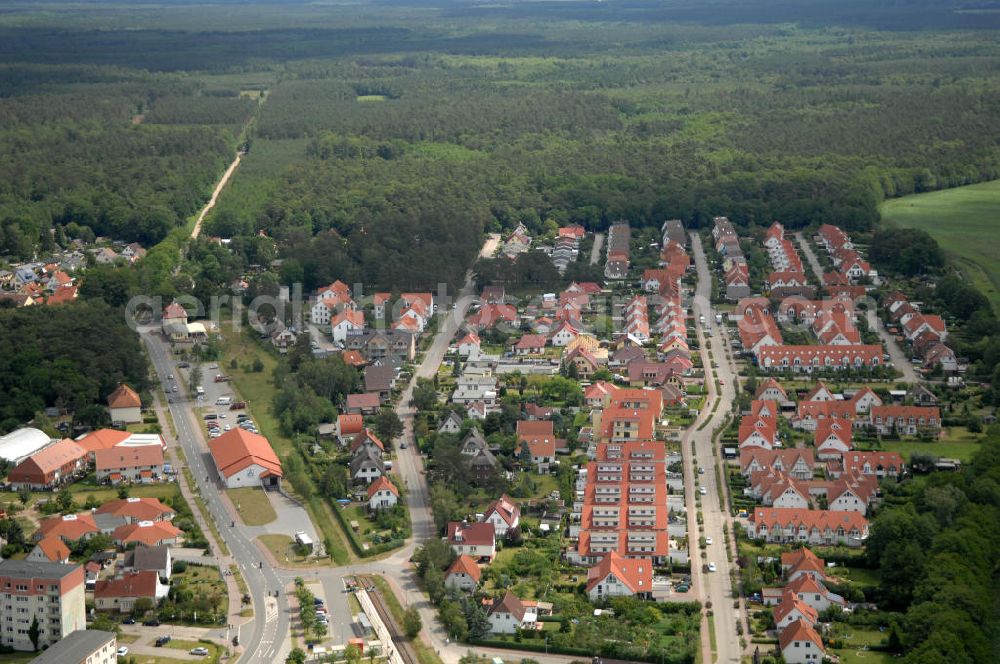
711 567
162 641
703 491
122 651
199 651
153 622
129 621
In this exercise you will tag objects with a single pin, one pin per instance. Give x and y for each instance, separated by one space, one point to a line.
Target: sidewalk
222 561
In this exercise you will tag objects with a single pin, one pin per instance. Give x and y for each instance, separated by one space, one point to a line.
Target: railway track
399 641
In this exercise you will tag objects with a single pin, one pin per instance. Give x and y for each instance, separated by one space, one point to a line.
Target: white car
122 651
199 651
708 540
703 491
711 567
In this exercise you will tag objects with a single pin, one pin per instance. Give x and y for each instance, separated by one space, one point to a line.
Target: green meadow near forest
965 221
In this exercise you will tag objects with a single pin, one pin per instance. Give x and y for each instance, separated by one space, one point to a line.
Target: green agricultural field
965 222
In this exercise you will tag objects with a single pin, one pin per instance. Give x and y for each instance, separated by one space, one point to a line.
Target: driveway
291 518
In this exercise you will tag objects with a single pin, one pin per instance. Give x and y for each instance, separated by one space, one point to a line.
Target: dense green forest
70 357
937 550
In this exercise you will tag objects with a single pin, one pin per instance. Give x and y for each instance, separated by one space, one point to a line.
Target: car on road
129 621
712 567
122 651
199 651
701 470
703 491
170 376
151 623
183 365
402 446
708 541
682 588
214 366
162 641
174 389
722 382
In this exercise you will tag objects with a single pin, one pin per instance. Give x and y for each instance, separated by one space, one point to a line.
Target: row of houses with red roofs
617 258
735 269
847 260
788 276
925 333
798 604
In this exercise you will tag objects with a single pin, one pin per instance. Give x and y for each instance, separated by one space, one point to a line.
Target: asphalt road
717 586
263 639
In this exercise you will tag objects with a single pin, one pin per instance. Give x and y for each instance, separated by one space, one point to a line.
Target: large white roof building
22 443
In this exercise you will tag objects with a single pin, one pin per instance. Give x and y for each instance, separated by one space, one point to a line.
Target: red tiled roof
235 450
381 483
475 534
124 397
131 584
506 508
102 439
363 400
129 457
148 533
798 630
465 564
53 548
535 429
70 527
137 509
635 573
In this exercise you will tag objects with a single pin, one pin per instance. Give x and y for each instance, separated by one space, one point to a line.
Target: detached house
476 540
124 405
800 644
120 594
347 323
464 574
504 514
365 466
617 576
382 495
511 614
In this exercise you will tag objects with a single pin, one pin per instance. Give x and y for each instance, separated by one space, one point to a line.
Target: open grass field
965 222
282 547
253 506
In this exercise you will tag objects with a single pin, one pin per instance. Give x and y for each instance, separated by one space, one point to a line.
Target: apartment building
52 592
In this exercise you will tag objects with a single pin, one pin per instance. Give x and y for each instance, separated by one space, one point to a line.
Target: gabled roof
53 549
798 630
175 310
70 527
234 450
635 573
789 602
129 457
535 429
363 400
355 317
51 458
124 397
465 565
147 533
509 604
506 508
138 509
131 584
102 439
475 534
379 484
802 560
365 436
148 557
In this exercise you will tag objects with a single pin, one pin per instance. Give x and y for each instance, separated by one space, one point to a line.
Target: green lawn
253 506
957 449
854 642
283 549
963 220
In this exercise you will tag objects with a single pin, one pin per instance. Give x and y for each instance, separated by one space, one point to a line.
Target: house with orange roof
141 464
382 494
563 334
904 420
120 593
124 405
353 358
617 576
504 514
530 344
864 399
813 593
244 459
50 549
800 644
808 358
758 432
463 574
595 393
49 467
491 315
817 527
797 463
137 509
469 345
810 413
791 609
68 527
147 533
347 323
348 426
878 464
62 295
102 439
833 438
772 390
799 562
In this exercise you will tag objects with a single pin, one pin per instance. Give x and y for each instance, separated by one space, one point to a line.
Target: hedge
356 544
